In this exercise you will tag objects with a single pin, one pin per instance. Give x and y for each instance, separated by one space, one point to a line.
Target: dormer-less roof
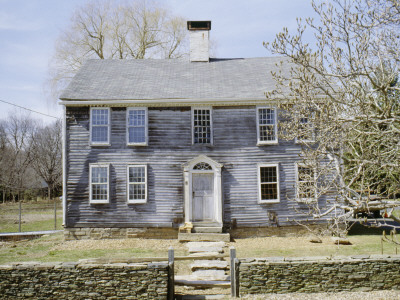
150 79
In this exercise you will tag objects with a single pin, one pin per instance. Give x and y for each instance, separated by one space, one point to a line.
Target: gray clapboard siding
169 147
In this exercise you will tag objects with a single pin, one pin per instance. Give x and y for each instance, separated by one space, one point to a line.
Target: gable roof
148 79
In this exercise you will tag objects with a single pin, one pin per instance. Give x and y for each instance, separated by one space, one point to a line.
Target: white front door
203 197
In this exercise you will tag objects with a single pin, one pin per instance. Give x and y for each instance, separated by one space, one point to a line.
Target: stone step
184 280
208 255
209 264
209 275
206 237
207 229
205 244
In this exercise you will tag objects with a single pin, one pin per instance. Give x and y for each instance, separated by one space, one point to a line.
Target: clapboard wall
169 147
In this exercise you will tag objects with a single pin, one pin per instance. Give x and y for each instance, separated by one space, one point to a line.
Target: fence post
20 215
55 213
234 283
171 276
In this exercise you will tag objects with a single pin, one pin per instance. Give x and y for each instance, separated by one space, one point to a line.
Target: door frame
188 187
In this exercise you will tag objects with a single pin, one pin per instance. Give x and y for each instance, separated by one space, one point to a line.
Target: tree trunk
49 191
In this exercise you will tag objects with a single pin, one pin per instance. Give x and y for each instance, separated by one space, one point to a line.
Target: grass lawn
54 248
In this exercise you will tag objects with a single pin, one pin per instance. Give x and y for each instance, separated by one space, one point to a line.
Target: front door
203 197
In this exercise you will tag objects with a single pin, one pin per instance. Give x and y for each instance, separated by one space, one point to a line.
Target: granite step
206 237
218 275
209 264
205 244
206 255
201 297
186 281
207 229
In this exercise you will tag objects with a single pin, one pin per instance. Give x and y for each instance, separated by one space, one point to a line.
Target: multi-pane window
305 188
137 184
266 125
306 130
268 181
202 126
99 183
137 126
99 125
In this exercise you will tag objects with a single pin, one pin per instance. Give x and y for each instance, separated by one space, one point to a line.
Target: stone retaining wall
319 274
119 233
84 281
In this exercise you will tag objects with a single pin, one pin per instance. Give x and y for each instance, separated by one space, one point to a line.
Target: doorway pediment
202 159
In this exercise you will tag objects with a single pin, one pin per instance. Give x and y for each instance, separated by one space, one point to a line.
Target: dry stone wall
319 274
84 281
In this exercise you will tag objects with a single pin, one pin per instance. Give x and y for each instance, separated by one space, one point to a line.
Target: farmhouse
151 144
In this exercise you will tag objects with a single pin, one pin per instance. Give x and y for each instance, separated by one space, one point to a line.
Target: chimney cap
199 25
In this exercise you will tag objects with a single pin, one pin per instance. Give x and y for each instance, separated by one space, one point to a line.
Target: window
268 183
306 130
137 126
266 126
99 183
100 126
305 183
202 126
137 184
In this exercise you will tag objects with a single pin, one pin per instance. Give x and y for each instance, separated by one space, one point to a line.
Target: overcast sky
29 29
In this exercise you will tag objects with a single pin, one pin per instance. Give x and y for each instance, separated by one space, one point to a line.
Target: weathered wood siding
170 146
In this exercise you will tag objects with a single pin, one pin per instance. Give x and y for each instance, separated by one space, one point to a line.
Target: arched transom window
202 166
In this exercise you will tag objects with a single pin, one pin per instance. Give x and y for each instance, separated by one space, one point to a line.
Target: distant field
36 215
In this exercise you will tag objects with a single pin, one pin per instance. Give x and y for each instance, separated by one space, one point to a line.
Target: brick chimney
199 40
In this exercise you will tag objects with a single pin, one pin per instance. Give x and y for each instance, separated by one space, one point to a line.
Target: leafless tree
114 29
341 102
46 152
15 163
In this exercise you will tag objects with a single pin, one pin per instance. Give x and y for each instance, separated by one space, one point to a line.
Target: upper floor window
202 125
100 126
268 183
99 183
137 126
266 126
306 130
137 184
305 183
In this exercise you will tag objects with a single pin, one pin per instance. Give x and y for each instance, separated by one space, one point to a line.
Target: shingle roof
173 79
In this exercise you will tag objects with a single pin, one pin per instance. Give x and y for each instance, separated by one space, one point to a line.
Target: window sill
137 201
99 202
305 201
269 201
267 143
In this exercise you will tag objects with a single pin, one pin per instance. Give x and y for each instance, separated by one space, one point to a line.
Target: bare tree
115 29
17 156
46 155
341 103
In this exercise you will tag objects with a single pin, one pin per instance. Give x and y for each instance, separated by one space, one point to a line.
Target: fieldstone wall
84 281
319 274
119 233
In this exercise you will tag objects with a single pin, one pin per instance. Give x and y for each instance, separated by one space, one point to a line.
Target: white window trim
108 131
146 142
211 124
312 140
259 183
141 201
273 142
91 166
298 199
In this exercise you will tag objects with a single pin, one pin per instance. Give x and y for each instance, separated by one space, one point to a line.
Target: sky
29 30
